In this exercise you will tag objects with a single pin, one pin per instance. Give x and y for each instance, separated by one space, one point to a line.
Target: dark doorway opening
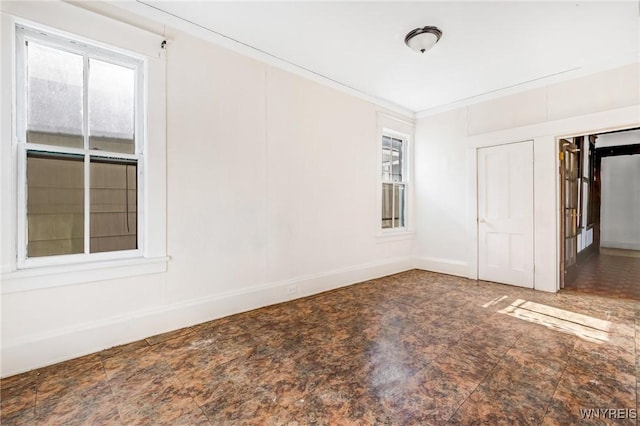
600 211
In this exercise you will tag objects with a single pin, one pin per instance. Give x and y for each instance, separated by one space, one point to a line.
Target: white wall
271 177
619 138
446 145
442 201
271 195
620 198
620 202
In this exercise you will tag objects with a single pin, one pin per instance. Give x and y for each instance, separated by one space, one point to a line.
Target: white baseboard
444 266
35 351
619 245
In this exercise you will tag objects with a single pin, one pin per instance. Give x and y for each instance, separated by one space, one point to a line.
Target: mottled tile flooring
412 348
609 275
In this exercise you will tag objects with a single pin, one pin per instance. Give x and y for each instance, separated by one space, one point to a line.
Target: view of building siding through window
56 95
55 204
113 205
393 183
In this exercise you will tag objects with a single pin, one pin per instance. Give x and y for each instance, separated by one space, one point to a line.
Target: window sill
57 276
395 235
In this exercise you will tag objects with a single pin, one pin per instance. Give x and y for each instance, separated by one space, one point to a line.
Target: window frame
23 34
394 183
386 129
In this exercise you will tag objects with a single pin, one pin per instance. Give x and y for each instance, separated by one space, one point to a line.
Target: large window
394 182
79 113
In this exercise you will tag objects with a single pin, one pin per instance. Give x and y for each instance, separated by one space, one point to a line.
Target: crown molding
545 81
157 14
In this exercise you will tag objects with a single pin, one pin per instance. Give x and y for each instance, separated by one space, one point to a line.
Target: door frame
562 157
546 183
598 154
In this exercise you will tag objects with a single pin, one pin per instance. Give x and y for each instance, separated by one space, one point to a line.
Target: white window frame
404 182
77 23
400 129
24 34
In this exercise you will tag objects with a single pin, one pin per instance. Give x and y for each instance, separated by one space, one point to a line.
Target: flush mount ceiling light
423 39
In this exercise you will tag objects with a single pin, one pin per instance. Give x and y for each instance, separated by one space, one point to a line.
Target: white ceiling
485 47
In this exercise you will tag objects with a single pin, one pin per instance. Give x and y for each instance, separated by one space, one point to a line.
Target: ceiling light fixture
423 39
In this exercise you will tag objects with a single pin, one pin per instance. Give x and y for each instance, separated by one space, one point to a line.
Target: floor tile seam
488 322
40 378
463 335
138 395
184 387
190 328
555 391
113 355
121 372
578 358
113 393
32 405
445 351
160 350
53 397
489 372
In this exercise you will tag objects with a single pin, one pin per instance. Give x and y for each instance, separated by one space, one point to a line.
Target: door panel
505 214
569 208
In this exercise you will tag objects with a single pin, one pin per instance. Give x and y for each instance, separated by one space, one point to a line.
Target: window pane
386 164
54 96
387 207
386 142
111 107
397 160
386 158
398 217
55 204
114 202
393 205
392 159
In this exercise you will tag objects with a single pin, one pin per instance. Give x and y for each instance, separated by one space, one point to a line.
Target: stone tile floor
412 348
609 275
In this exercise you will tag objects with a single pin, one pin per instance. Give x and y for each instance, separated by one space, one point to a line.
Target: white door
505 214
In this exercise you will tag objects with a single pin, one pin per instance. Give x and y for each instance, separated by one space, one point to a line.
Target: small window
394 182
78 116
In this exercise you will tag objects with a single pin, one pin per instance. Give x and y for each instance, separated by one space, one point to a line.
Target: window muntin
81 114
394 185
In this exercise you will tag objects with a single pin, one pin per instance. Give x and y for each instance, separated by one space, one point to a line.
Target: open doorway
600 213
